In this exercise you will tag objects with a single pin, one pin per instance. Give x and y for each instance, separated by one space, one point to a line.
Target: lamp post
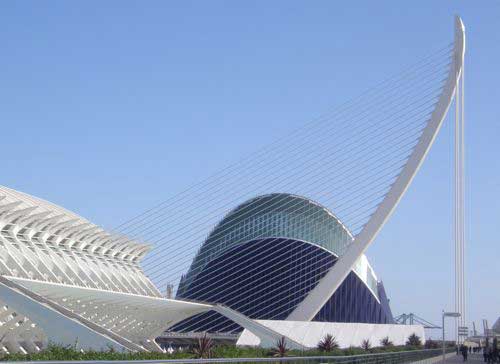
447 314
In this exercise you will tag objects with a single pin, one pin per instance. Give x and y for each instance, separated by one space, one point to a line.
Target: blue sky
108 108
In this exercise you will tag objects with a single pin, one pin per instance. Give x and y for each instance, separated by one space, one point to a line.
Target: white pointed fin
92 229
139 255
20 213
39 216
68 231
48 221
54 228
9 207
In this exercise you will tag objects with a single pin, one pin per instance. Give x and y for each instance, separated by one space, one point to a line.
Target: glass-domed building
266 255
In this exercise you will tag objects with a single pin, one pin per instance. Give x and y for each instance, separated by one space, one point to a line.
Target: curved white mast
310 306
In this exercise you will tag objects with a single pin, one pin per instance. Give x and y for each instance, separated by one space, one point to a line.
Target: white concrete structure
67 281
64 279
309 334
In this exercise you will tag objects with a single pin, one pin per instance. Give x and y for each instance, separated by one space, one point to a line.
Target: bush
203 348
366 344
233 351
67 353
281 349
431 344
353 351
328 343
414 340
385 342
55 352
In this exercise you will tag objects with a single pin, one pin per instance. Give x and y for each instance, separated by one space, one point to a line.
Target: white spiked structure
65 280
82 273
44 242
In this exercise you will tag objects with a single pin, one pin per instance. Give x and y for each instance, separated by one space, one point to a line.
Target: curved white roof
35 211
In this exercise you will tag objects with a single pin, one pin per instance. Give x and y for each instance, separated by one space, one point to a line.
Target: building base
309 333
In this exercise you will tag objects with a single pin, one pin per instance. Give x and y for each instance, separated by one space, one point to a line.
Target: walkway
472 358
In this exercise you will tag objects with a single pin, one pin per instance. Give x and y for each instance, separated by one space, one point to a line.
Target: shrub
385 342
203 348
233 351
328 343
414 340
352 350
67 353
366 344
431 344
280 350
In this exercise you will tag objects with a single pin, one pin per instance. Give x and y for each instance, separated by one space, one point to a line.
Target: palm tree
280 349
413 340
366 344
328 343
386 342
203 348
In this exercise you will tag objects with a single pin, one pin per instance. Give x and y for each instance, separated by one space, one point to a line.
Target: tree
366 344
386 342
414 340
203 348
328 343
280 350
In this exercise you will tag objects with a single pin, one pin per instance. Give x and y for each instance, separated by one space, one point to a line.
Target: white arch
310 306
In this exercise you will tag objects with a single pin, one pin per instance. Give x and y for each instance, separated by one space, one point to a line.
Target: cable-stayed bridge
355 161
273 244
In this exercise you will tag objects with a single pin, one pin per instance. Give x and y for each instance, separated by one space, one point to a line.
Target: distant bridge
412 319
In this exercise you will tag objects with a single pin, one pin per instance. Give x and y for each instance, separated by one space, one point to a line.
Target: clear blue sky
110 107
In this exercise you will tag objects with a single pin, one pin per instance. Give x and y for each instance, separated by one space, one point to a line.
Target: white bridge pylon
318 296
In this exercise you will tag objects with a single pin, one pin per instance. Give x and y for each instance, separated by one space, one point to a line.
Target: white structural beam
268 336
318 296
459 218
98 318
84 311
58 328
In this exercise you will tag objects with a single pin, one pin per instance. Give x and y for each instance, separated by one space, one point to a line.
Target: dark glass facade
353 302
274 215
264 258
268 278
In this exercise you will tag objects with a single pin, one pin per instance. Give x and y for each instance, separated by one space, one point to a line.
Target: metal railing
378 358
